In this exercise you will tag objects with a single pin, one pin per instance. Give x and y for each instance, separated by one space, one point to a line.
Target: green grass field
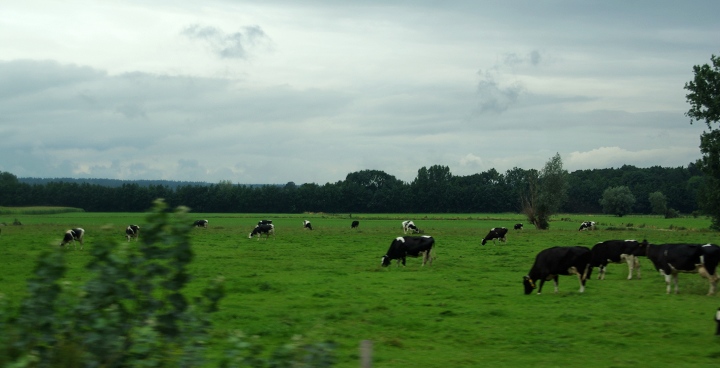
466 310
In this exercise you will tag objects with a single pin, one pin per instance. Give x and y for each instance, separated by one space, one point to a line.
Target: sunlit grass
466 310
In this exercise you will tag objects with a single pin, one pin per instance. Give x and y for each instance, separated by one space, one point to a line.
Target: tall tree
617 200
704 100
658 203
547 192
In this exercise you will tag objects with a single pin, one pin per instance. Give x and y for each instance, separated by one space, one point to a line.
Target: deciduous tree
704 100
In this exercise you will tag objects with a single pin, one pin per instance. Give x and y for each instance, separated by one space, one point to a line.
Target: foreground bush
131 312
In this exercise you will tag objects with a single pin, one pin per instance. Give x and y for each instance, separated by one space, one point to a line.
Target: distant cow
132 231
263 229
496 233
264 222
409 246
518 227
355 224
201 223
671 259
617 251
551 262
307 225
587 225
73 235
409 226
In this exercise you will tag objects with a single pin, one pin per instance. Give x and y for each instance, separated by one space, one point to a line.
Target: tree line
434 190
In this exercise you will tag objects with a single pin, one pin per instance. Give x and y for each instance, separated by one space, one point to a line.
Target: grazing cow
132 231
201 223
587 225
73 235
551 262
264 222
355 224
409 246
671 259
307 225
410 226
518 227
266 229
617 251
496 233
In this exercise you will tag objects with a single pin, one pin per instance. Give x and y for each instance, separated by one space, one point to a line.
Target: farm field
466 310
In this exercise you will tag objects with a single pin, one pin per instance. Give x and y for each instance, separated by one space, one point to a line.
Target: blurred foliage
132 312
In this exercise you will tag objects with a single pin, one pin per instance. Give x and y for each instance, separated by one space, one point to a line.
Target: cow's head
529 284
385 261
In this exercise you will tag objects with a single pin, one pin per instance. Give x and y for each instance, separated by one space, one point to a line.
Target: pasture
466 310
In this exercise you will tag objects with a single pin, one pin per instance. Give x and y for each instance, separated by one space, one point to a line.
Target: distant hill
116 183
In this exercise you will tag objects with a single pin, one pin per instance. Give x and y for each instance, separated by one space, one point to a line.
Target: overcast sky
275 91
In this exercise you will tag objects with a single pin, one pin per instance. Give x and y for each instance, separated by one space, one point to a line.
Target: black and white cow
671 259
355 224
518 227
73 235
587 225
201 223
132 231
307 225
264 222
496 233
551 262
263 229
409 246
617 251
409 226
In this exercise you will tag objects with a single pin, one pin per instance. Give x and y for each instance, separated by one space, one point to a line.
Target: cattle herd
668 259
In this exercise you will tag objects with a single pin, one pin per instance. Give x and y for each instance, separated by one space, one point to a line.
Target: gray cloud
349 86
227 45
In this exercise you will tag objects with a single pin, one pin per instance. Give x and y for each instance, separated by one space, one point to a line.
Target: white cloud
278 91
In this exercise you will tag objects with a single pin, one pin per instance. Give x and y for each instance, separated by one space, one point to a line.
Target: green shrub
131 312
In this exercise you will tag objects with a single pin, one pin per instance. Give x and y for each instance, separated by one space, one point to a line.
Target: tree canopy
704 100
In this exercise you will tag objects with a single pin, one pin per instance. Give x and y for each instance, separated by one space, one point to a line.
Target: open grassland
466 310
36 210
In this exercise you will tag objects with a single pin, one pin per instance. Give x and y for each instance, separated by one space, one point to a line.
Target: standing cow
671 259
201 223
73 235
307 225
618 251
551 262
409 246
355 224
263 229
496 233
132 231
518 227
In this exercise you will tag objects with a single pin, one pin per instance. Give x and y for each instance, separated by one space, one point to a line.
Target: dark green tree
546 193
617 201
704 100
658 203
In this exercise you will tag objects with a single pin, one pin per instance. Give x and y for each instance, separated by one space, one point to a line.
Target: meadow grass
37 210
466 310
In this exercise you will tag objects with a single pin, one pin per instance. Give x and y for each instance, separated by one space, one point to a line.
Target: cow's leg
555 282
667 283
601 274
542 282
637 267
582 283
712 279
631 260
